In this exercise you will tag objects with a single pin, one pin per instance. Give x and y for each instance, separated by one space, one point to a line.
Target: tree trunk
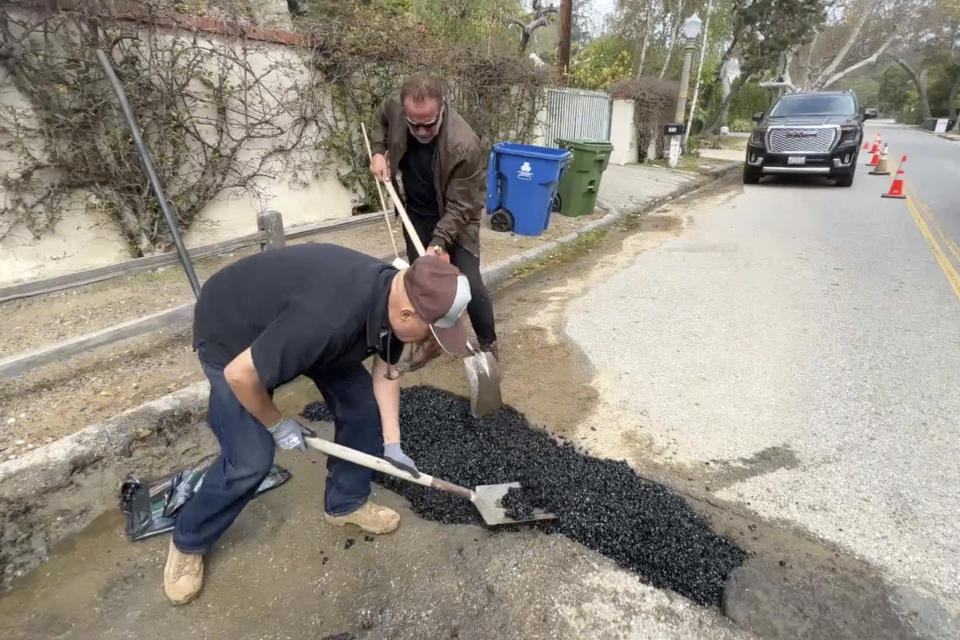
952 99
646 43
724 107
920 82
723 116
671 40
696 85
924 98
804 82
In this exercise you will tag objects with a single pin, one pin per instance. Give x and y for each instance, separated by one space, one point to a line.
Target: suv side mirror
758 116
869 113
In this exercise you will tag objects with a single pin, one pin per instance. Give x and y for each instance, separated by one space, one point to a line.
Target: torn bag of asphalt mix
151 508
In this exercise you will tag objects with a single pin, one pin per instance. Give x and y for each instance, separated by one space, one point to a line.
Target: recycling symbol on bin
525 173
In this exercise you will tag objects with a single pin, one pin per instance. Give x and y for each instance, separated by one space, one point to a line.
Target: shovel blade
489 499
483 378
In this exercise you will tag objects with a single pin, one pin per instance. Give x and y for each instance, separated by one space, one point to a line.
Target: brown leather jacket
458 173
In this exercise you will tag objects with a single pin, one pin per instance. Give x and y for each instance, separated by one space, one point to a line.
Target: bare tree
540 18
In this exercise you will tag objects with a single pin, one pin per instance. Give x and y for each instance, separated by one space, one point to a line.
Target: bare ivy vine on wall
220 114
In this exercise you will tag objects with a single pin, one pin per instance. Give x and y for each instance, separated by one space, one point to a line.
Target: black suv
808 133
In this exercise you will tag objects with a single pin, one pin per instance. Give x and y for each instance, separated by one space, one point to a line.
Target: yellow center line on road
930 217
925 219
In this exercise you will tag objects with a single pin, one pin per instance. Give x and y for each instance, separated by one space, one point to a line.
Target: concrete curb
57 490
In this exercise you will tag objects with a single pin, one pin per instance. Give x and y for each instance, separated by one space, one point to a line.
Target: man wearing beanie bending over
317 310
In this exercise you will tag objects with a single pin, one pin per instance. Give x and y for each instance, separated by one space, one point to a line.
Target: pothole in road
602 504
785 585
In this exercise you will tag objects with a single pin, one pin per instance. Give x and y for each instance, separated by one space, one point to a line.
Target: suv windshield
814 105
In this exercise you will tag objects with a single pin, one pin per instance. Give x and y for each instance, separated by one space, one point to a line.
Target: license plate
796 160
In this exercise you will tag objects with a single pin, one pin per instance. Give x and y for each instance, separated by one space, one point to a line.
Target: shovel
486 498
483 378
483 370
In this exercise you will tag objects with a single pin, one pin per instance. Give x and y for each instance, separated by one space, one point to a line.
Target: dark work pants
247 448
480 308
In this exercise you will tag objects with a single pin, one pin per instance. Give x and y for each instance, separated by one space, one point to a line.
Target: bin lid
586 145
530 151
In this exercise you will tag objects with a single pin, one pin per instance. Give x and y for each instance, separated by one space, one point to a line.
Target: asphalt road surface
797 351
788 362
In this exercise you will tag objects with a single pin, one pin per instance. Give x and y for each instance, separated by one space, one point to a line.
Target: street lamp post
691 29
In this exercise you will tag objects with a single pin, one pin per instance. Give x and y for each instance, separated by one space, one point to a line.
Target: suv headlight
848 134
757 136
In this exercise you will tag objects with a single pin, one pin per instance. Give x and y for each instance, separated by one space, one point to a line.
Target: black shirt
299 308
416 166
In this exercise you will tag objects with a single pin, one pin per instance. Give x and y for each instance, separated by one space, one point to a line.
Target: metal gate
577 113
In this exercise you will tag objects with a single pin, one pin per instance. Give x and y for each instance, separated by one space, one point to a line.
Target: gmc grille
801 139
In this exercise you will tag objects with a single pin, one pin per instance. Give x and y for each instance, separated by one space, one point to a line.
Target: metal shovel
486 498
483 378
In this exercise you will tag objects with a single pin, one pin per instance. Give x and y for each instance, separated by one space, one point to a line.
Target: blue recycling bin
521 185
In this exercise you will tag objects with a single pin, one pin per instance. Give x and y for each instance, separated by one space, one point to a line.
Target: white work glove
393 454
288 434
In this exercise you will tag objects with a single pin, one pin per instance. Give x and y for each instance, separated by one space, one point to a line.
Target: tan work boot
371 517
182 575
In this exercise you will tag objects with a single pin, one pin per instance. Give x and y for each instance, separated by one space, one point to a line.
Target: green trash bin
577 191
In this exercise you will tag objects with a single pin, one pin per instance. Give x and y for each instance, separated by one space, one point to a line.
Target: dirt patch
60 398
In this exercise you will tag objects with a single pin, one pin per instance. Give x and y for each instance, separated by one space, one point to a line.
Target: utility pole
563 51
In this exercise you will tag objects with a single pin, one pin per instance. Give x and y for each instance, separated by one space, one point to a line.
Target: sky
601 9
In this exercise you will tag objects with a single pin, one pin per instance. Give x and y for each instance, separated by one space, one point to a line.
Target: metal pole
151 173
681 102
696 85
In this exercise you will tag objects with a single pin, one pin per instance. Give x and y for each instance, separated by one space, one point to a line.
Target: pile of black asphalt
602 504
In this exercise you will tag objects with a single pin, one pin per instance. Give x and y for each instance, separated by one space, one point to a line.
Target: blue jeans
246 454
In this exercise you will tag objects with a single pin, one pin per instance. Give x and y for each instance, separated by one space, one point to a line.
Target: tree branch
845 49
859 65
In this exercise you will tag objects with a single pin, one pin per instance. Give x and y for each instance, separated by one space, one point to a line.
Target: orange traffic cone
896 187
866 145
876 144
875 160
881 168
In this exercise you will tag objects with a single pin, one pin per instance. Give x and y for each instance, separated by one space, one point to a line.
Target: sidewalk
52 401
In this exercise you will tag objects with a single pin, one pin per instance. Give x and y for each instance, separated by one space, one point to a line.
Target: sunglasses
425 125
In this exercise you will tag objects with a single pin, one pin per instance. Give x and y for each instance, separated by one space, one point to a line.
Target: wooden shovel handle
455 489
366 460
381 465
406 219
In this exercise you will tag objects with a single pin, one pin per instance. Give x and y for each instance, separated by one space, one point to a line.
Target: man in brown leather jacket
434 155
